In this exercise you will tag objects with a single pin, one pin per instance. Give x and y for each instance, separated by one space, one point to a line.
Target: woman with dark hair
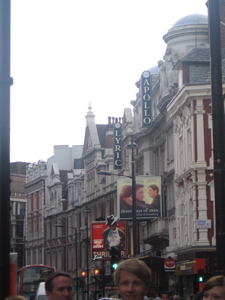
126 197
140 203
214 288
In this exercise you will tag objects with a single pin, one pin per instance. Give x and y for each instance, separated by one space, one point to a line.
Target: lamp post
131 146
76 257
5 82
218 128
86 211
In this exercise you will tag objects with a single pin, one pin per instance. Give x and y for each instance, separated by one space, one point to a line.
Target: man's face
140 194
152 193
130 287
113 227
165 297
62 289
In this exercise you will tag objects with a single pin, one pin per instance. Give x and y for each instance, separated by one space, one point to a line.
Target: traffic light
115 258
200 275
83 274
96 272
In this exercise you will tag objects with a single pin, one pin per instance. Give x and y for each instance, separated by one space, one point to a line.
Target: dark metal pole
76 260
86 224
5 82
218 130
134 200
103 278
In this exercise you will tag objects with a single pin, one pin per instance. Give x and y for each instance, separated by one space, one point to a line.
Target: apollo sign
146 99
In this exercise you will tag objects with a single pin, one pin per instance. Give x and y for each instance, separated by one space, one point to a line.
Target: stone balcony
156 231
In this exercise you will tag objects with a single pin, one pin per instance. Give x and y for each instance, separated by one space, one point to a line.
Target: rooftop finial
90 107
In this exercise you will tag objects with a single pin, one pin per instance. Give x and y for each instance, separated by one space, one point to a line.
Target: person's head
192 296
214 288
168 51
113 226
176 297
59 286
165 295
140 192
160 62
112 222
153 190
126 194
132 279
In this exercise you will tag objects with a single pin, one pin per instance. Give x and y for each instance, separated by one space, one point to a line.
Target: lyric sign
117 152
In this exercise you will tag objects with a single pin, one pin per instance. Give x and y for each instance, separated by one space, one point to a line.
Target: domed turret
195 19
187 33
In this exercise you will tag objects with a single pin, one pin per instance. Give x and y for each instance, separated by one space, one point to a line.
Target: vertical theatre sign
146 99
117 146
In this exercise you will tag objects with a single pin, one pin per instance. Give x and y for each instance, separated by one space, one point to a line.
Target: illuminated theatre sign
146 99
117 146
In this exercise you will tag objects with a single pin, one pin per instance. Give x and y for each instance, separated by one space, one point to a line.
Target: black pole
103 278
76 260
134 200
5 82
218 130
87 253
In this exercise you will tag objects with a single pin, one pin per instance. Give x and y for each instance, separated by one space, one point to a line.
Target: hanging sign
117 147
146 99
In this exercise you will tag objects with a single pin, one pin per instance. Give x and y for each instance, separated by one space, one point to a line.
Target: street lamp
86 211
76 258
131 146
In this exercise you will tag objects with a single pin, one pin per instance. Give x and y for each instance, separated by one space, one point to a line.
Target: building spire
90 116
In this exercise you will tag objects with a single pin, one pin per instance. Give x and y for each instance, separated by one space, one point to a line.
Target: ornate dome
195 19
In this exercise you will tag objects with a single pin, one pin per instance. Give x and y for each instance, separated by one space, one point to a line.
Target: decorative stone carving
171 57
163 78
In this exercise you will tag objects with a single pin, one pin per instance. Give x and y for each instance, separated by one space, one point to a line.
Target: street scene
136 211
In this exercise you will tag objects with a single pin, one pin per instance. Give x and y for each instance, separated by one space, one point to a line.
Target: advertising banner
148 198
104 236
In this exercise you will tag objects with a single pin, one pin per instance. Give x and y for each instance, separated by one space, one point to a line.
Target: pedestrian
165 295
132 279
176 297
192 297
214 288
59 285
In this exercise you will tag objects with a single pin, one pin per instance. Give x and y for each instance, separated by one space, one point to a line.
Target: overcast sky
66 54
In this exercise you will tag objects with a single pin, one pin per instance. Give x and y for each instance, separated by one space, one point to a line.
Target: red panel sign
104 237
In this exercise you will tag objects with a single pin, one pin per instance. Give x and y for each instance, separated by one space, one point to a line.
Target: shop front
192 272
